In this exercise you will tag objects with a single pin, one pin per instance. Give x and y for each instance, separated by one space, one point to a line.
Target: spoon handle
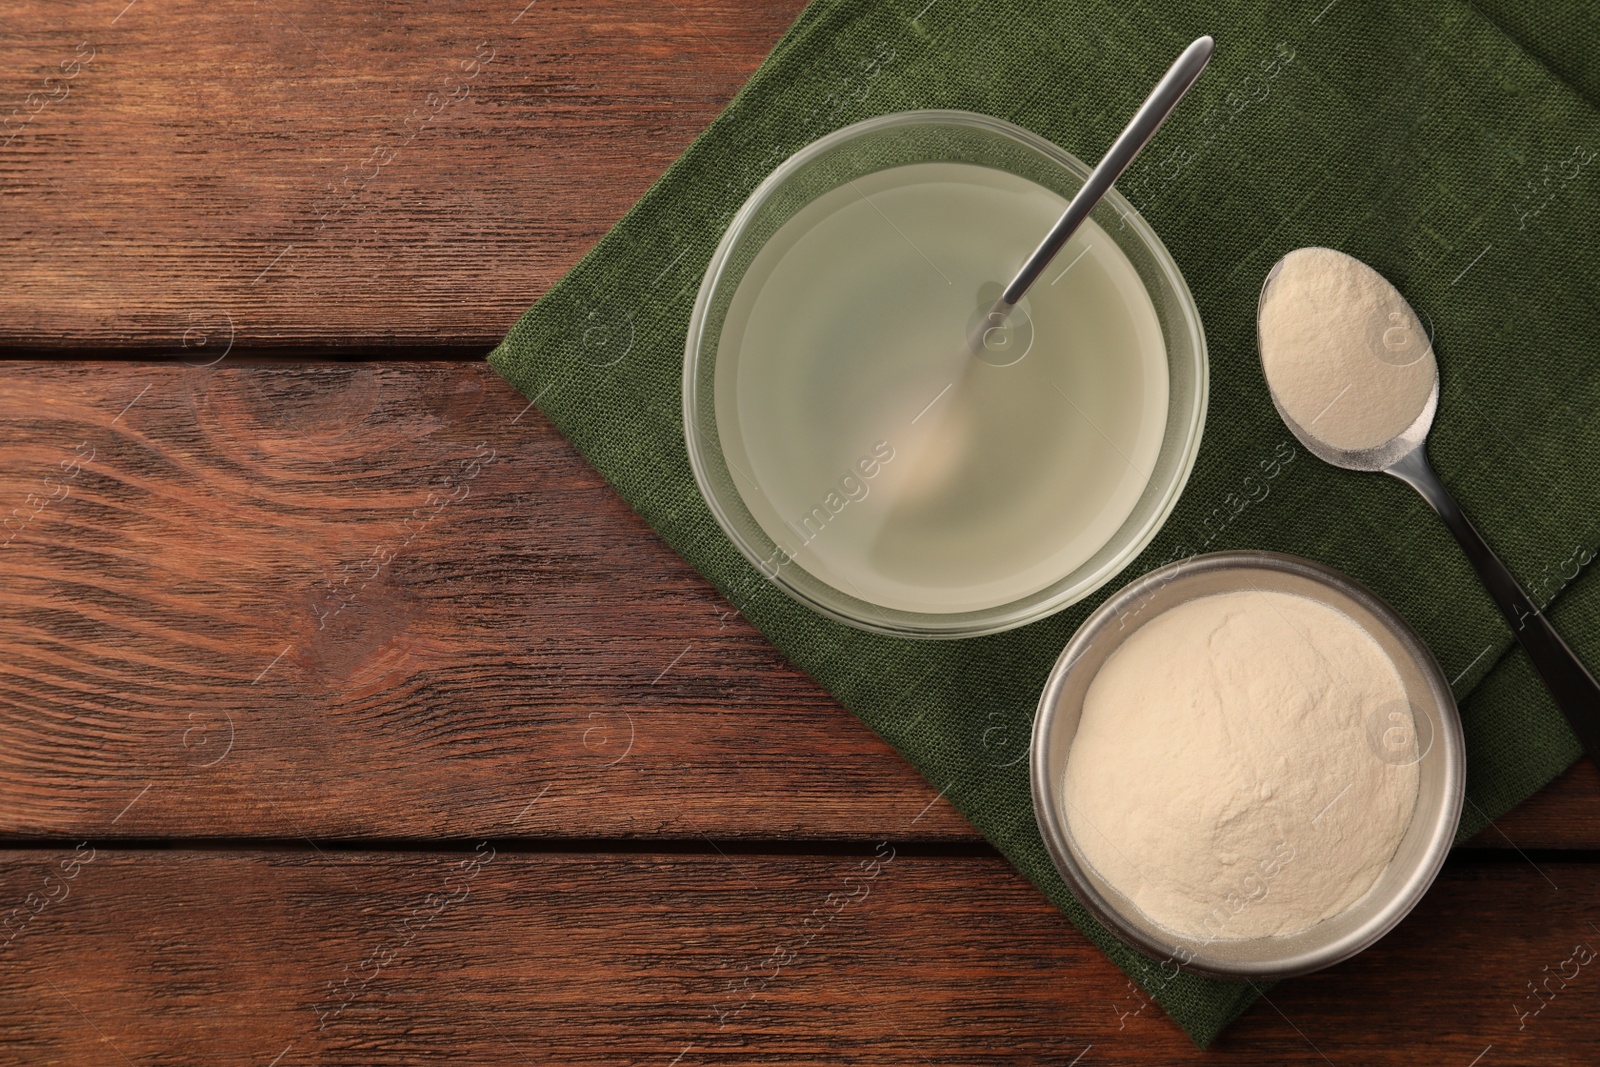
1576 692
1146 121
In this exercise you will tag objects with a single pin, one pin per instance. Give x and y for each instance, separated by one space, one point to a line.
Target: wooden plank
1564 814
484 956
357 599
239 552
184 174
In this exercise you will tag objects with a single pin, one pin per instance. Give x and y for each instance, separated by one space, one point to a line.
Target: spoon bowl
1373 458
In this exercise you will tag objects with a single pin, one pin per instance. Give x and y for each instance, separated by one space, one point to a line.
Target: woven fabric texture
1421 136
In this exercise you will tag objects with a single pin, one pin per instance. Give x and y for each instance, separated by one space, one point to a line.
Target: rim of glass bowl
705 460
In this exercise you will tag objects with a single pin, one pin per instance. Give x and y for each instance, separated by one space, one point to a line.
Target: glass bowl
717 358
1439 753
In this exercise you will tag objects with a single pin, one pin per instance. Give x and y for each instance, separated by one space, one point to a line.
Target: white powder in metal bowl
1344 354
1222 777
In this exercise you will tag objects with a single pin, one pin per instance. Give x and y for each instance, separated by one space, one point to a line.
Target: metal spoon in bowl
1382 416
1143 126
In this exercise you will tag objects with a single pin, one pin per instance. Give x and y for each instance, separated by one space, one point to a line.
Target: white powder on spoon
1345 356
1222 775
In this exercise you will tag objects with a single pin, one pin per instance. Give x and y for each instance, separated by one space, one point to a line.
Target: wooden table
349 717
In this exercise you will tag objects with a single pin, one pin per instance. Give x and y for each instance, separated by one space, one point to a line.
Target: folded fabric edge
1535 53
1511 703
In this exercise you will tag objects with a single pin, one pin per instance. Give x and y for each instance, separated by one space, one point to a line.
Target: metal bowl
1441 766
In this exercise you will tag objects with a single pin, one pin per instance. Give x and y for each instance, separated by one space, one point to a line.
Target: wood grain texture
360 600
181 175
248 553
1564 814
350 600
498 957
357 599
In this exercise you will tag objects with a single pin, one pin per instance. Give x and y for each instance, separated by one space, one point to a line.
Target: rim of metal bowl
1052 826
933 625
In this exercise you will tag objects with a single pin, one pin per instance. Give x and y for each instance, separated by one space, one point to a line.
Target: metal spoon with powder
1352 373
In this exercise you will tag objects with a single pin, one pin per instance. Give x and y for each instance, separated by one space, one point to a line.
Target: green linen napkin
1418 136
